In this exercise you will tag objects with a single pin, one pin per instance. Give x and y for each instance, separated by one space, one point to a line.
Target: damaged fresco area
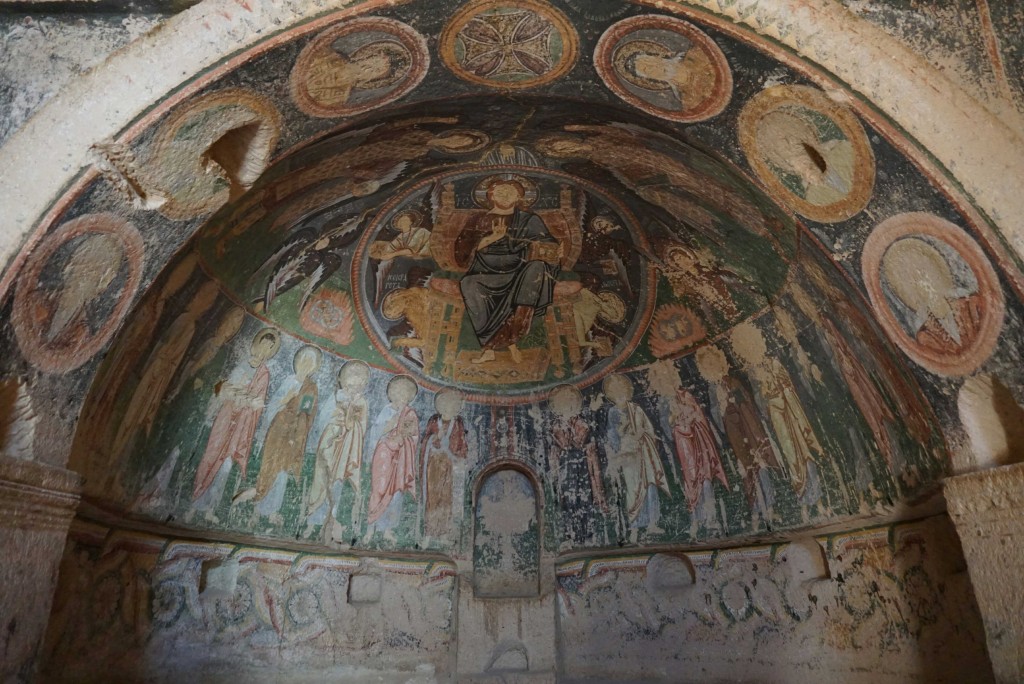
506 544
878 605
163 609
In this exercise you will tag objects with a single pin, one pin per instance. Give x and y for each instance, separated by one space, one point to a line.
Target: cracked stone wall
885 604
39 54
888 604
976 43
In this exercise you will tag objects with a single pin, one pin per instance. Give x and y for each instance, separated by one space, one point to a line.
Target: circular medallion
492 280
358 65
213 148
75 290
664 66
509 43
812 153
675 328
934 292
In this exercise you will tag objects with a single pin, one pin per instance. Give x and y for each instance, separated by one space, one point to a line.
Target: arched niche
506 534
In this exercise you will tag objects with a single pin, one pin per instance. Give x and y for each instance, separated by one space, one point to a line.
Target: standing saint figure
227 327
734 411
393 466
865 393
574 458
95 425
339 454
442 456
752 445
633 458
284 448
512 275
242 400
699 461
801 452
159 370
797 441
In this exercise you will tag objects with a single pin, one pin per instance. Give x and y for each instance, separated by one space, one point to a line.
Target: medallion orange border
27 293
611 39
989 289
773 98
177 210
565 28
407 35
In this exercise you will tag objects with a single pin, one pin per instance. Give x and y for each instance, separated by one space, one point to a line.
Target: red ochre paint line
994 52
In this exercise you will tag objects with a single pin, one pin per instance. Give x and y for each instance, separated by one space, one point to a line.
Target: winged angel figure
309 256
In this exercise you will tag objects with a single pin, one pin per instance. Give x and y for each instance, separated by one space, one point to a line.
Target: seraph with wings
310 255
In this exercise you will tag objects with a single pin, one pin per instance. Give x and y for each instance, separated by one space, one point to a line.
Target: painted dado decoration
130 604
670 297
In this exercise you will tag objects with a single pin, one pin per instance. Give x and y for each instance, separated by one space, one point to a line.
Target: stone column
37 503
987 508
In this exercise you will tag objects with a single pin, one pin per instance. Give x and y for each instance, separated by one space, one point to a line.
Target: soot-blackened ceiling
687 291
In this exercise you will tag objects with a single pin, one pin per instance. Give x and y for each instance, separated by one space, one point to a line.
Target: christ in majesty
512 275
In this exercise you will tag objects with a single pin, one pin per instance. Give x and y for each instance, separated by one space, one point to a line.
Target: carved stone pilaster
37 504
987 508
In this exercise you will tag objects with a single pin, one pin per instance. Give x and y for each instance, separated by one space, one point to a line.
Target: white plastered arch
43 157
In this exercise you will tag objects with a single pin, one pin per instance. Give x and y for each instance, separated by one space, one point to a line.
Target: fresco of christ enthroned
503 266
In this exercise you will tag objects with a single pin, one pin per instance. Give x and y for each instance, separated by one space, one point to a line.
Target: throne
439 308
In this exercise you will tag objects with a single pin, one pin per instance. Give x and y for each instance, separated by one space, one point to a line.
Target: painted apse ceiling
682 292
